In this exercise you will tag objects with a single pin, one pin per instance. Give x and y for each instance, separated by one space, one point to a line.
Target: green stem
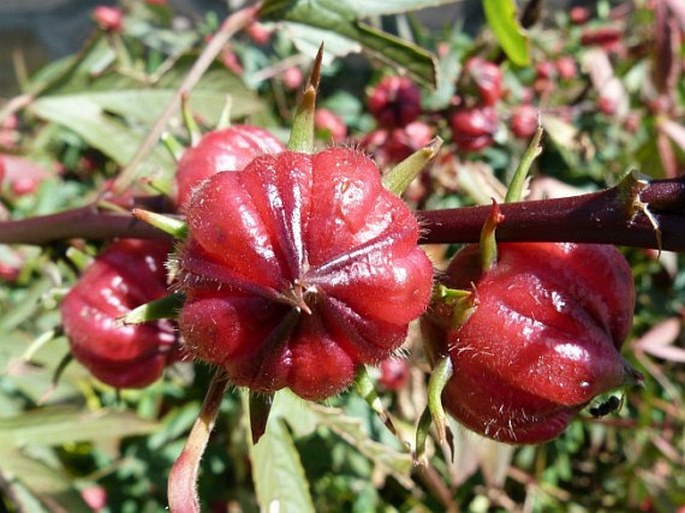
488 241
189 121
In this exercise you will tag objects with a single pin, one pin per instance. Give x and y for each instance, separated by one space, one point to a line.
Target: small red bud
329 126
258 33
473 128
487 77
227 149
566 67
524 121
293 78
579 15
609 38
394 373
231 61
395 102
109 18
127 274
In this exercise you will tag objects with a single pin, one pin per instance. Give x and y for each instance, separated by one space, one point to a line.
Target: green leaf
296 411
113 113
85 114
279 478
304 417
50 485
26 308
350 429
501 17
342 19
362 8
59 425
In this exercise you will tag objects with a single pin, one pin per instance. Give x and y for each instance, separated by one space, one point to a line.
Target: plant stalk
182 486
608 217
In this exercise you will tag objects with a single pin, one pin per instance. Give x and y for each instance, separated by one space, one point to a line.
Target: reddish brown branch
607 217
80 223
602 217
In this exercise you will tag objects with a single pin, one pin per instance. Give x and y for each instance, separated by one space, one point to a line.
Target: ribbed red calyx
127 274
395 102
524 121
487 78
298 269
226 149
473 128
543 340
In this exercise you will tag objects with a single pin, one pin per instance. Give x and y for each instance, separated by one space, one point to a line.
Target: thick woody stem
610 216
80 223
614 216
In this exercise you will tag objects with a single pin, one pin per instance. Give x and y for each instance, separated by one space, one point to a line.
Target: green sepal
488 242
225 116
365 387
173 146
502 18
166 307
302 133
461 302
175 227
442 372
39 343
79 258
397 179
260 408
189 121
422 430
518 181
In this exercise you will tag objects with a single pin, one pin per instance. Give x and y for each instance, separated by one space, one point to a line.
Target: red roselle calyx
329 126
226 149
487 78
395 102
473 128
392 146
394 373
541 338
127 274
524 121
297 270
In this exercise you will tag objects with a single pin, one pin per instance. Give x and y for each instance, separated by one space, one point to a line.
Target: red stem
182 485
